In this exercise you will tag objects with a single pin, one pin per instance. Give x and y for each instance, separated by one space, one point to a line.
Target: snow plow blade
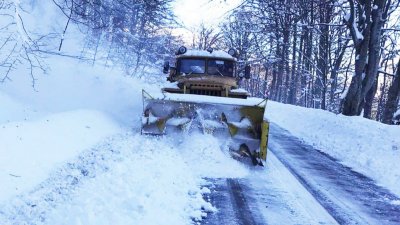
242 121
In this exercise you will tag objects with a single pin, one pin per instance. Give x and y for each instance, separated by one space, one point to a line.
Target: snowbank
30 150
70 112
151 184
12 110
73 109
150 176
367 146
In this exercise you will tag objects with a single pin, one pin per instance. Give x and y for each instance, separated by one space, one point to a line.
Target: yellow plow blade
241 120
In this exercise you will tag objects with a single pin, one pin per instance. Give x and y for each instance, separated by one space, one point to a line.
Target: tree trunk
279 78
285 88
370 22
322 58
393 98
335 70
369 99
370 83
293 79
352 101
382 96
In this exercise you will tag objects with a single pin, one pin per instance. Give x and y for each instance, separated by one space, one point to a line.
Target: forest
335 55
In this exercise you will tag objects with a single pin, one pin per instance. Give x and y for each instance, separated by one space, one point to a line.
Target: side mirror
166 67
247 69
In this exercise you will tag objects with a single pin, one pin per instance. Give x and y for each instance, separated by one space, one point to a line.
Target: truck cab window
192 66
220 68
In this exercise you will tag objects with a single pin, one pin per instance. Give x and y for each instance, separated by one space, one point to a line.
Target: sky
191 13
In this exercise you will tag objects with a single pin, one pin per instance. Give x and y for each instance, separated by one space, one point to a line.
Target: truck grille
206 89
205 92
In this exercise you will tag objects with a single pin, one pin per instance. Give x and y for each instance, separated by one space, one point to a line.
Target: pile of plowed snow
71 153
125 179
29 150
70 149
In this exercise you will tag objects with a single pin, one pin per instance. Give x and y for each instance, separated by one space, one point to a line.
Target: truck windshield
192 66
220 67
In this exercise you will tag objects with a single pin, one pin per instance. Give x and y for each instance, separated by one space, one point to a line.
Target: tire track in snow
245 215
231 199
350 197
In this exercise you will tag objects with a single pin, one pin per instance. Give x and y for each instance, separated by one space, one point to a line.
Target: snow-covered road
127 178
350 197
268 195
301 185
132 179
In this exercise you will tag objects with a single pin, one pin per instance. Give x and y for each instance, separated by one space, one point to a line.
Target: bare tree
17 46
132 32
310 49
206 37
365 21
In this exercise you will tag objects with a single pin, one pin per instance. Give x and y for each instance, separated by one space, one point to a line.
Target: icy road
131 179
301 185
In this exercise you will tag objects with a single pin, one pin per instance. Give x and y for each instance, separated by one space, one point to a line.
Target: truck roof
202 53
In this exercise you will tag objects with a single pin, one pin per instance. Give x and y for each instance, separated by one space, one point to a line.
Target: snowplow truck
203 95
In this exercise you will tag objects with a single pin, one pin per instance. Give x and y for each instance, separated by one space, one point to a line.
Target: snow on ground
70 153
28 150
367 146
150 184
396 202
156 181
87 164
125 179
210 158
12 110
284 200
71 85
72 108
